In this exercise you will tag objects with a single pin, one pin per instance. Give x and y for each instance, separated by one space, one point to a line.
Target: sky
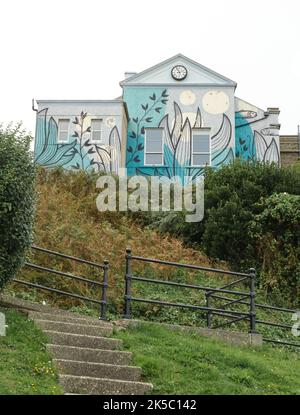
70 49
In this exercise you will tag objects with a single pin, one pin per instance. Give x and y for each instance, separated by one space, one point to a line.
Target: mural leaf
221 140
130 149
140 147
145 107
133 134
176 130
272 153
198 120
164 101
153 97
184 144
136 120
137 159
164 93
259 146
149 119
158 109
115 145
164 123
75 134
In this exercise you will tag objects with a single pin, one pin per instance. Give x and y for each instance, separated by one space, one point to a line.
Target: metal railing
236 315
103 284
223 310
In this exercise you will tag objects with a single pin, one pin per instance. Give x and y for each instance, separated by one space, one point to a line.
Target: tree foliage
17 173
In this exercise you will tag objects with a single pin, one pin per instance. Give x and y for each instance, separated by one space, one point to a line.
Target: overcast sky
70 49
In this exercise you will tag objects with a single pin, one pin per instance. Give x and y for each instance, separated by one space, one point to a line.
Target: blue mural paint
146 108
244 137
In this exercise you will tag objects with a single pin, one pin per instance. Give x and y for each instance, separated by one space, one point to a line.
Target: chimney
129 74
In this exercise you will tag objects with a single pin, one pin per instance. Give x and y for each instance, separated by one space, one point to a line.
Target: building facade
173 119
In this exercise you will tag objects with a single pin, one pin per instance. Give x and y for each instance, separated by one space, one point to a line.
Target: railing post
252 273
127 296
104 289
208 315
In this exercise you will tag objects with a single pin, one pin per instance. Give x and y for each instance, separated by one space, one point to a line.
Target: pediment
160 74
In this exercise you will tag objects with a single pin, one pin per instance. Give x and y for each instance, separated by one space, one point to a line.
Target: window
200 147
63 130
154 147
96 130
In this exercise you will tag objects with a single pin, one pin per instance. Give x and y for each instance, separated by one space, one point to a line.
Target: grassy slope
67 220
191 364
26 367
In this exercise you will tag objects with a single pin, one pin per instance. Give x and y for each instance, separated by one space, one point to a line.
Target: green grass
26 367
177 363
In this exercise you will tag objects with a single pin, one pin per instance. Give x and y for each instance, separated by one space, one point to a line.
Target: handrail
83 261
64 274
130 277
179 284
190 266
103 285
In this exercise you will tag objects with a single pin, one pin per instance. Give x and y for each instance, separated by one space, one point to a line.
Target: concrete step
88 329
99 386
98 370
67 317
89 355
81 340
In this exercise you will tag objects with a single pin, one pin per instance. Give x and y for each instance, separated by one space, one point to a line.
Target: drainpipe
33 106
36 112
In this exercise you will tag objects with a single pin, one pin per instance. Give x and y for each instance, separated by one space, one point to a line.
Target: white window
63 130
96 130
200 147
154 153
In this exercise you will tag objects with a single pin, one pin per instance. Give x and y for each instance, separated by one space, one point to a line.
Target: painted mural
79 152
177 120
153 98
256 138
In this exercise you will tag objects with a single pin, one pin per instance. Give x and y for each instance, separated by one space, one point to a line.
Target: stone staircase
87 359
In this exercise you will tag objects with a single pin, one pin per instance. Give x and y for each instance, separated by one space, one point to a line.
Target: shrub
276 234
17 174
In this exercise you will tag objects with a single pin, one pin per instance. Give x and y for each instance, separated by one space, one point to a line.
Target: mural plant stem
140 129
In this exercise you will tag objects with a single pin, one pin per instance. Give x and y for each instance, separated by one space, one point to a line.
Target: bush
231 196
276 235
17 174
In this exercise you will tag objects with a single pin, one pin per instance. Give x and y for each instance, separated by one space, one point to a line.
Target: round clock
179 72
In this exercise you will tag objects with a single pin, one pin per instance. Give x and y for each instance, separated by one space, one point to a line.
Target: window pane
154 141
63 136
96 135
200 143
200 159
63 125
154 134
96 124
154 146
154 159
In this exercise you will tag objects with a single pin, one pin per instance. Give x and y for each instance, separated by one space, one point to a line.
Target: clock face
179 72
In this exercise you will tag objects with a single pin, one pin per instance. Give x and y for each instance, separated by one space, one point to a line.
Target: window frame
101 131
204 131
154 152
59 140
